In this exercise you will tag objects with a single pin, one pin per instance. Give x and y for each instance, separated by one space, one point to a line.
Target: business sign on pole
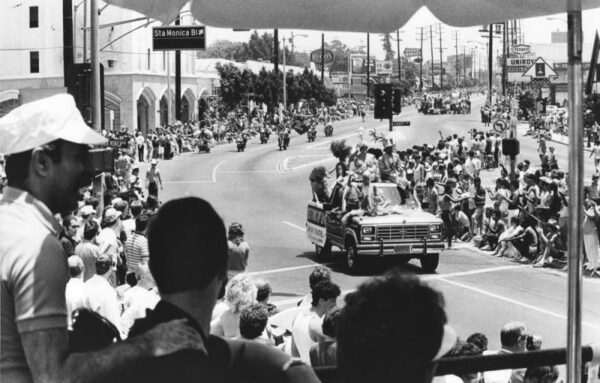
315 56
179 38
521 49
358 65
412 52
384 67
516 66
540 68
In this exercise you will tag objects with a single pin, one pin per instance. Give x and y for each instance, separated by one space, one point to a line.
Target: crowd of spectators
522 216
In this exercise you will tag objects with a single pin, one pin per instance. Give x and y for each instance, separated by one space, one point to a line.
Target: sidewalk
557 138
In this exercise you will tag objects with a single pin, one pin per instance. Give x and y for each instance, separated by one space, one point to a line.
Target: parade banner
358 65
316 229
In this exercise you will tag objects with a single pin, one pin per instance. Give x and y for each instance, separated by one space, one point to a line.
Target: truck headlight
435 228
367 230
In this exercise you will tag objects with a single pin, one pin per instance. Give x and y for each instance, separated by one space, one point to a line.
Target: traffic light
397 101
383 101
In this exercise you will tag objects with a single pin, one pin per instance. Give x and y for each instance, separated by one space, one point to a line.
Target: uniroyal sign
524 61
521 49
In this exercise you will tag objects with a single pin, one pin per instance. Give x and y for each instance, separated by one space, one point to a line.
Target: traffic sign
540 68
499 126
400 123
315 56
179 38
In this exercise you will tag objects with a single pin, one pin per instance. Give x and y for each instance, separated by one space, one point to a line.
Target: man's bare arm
49 360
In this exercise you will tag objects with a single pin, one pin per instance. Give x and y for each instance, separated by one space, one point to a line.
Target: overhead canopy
376 16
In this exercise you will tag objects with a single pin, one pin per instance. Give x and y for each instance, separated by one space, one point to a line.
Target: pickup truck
405 231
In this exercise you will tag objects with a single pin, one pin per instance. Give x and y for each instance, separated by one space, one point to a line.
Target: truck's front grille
401 232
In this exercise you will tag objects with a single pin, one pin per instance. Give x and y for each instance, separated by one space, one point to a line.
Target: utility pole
490 63
322 58
505 54
177 79
399 60
95 53
169 111
456 60
85 13
368 63
276 60
465 66
441 61
284 79
431 40
421 63
67 39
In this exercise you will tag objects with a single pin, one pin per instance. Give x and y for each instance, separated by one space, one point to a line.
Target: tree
410 72
235 85
260 46
225 49
387 46
340 56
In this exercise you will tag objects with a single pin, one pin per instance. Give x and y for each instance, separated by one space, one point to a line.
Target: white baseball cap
43 121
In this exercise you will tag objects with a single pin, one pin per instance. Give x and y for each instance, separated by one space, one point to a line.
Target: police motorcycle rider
241 139
264 133
329 127
312 132
284 137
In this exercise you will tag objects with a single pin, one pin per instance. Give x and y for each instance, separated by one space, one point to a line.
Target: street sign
412 52
499 126
521 49
179 38
118 143
400 123
315 56
540 68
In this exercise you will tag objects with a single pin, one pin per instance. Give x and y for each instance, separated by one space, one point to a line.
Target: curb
567 144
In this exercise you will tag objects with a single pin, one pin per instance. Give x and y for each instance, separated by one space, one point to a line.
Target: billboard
384 67
412 52
358 65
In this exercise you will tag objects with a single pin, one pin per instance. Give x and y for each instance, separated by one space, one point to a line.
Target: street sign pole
391 124
322 58
177 80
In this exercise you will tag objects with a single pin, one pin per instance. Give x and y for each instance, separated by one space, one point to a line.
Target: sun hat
43 121
111 214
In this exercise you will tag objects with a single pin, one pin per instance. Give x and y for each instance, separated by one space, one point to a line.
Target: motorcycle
328 130
241 143
311 135
283 141
264 136
203 146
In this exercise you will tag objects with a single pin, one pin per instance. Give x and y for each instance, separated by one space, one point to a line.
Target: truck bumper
412 249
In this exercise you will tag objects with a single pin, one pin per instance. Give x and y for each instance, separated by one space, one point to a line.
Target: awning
376 16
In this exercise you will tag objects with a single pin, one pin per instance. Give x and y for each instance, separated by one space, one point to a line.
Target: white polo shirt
34 272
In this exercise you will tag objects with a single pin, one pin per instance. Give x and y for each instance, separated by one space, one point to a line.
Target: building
136 94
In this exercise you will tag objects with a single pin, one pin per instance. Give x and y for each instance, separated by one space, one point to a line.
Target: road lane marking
246 171
284 168
284 269
295 226
514 302
214 172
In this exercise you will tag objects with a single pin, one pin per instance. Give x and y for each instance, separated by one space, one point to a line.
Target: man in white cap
46 143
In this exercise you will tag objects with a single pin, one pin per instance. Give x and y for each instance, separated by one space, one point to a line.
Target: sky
535 30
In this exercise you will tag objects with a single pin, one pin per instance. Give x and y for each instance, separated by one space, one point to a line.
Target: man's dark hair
543 374
462 348
329 325
325 290
141 222
263 290
392 312
136 208
93 202
510 334
188 245
253 320
68 221
317 275
479 340
90 230
17 164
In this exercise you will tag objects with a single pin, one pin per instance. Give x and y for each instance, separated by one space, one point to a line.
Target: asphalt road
267 190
